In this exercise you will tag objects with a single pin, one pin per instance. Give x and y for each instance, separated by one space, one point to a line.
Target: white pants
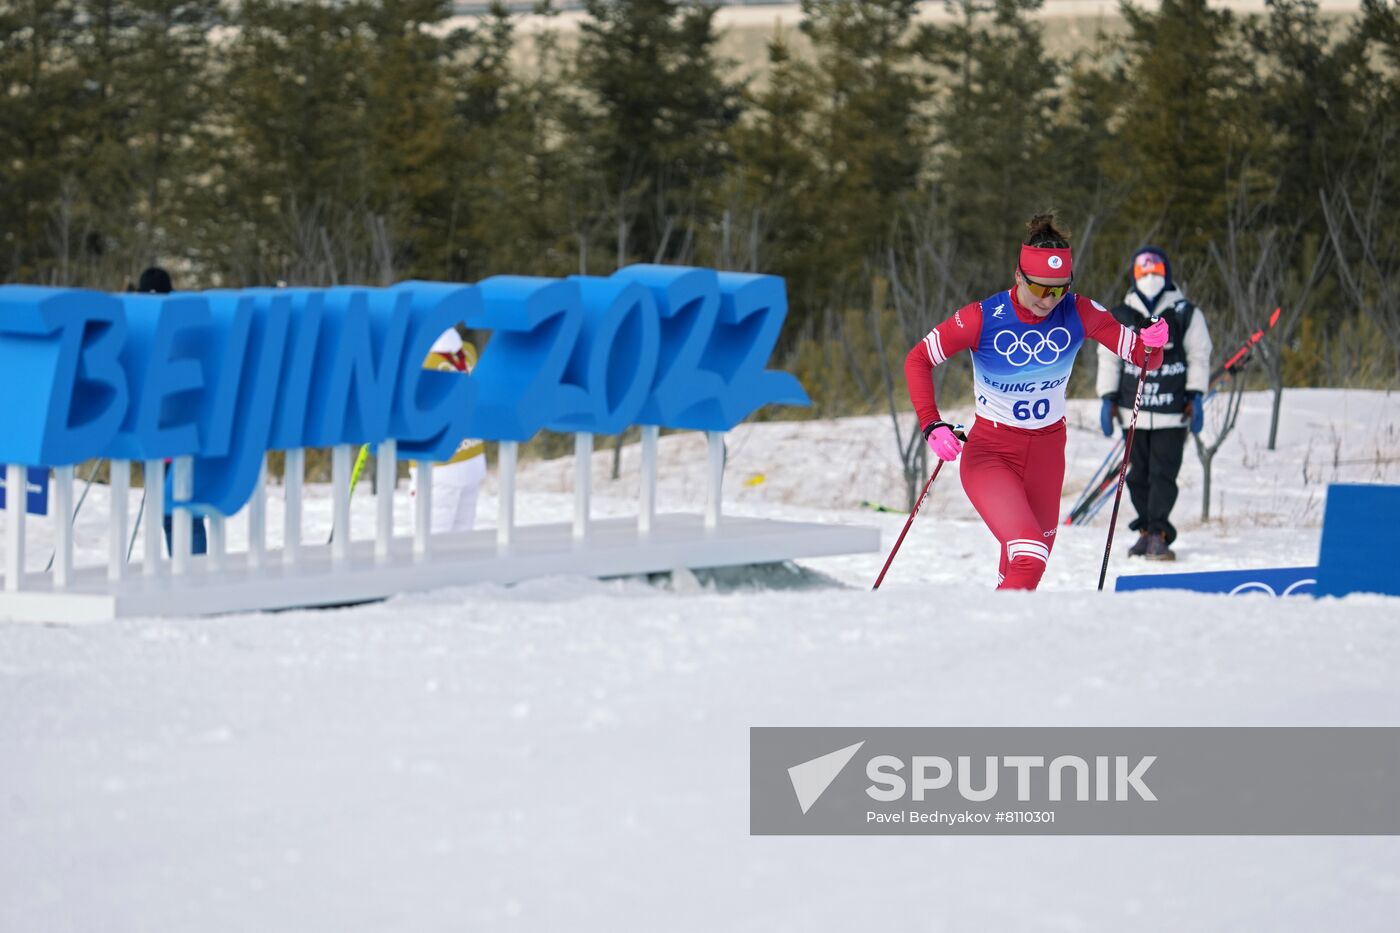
455 486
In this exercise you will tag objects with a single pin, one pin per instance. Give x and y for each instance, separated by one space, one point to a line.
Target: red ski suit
1013 465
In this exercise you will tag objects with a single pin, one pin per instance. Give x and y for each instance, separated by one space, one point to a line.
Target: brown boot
1157 547
1140 547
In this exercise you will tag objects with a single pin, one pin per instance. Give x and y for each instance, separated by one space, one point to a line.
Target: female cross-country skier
1023 343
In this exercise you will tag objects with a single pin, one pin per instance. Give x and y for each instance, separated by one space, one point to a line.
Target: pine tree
1317 99
871 136
43 93
774 197
411 134
99 186
168 139
1183 125
512 155
1003 152
660 113
293 176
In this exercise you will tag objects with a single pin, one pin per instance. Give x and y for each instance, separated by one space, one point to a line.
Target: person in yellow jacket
456 481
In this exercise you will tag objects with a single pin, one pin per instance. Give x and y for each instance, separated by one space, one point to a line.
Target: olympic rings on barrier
1295 588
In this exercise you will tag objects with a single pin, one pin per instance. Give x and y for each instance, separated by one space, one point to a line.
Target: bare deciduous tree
1256 266
324 246
1225 423
923 285
1367 249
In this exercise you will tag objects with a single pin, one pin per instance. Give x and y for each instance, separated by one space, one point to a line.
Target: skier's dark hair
1041 231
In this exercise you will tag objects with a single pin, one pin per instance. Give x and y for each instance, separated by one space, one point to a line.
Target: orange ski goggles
1149 264
1041 290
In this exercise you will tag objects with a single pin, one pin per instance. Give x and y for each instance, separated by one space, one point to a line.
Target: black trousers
1152 470
199 541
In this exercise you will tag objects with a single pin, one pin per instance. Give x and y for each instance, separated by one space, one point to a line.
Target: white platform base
613 548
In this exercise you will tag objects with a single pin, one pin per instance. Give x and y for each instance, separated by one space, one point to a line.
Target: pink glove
944 443
1155 334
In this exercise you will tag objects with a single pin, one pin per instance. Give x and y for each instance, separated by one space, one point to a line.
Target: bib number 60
1025 409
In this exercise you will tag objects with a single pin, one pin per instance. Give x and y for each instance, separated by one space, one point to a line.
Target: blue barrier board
1273 581
1355 555
37 479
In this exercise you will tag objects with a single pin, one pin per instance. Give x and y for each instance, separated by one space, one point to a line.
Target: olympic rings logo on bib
1032 345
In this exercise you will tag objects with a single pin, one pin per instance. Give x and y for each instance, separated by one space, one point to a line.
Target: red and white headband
1040 262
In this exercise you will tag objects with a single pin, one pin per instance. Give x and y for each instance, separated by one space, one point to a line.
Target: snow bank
572 754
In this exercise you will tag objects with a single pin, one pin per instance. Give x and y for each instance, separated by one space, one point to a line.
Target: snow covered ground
572 754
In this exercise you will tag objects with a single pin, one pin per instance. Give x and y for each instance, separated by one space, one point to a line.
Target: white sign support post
714 488
386 465
646 514
119 487
583 483
181 522
423 510
153 476
61 510
293 475
342 456
16 501
505 515
257 519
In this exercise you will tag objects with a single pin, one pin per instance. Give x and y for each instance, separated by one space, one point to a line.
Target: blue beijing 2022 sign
224 376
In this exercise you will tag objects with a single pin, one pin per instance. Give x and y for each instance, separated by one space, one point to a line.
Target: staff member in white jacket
1171 397
457 481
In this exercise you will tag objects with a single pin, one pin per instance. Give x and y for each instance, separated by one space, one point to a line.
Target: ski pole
1123 470
909 521
915 511
136 526
76 509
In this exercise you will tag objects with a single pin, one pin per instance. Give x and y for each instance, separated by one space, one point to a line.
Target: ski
1237 359
1096 484
360 461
